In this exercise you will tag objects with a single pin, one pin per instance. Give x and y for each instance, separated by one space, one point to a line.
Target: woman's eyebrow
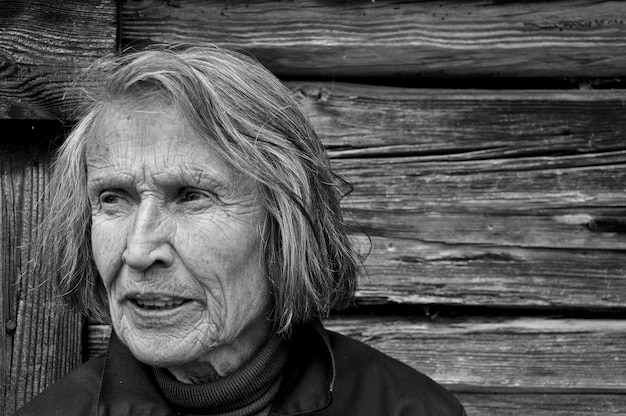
102 177
169 177
191 176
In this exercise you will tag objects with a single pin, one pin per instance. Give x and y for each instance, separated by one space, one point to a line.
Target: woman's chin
161 353
156 349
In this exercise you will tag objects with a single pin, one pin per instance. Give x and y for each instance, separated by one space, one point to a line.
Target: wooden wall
43 46
485 142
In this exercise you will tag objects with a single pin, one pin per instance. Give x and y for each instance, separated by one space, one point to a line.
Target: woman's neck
223 359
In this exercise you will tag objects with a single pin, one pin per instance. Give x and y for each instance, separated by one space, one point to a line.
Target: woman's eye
108 198
191 195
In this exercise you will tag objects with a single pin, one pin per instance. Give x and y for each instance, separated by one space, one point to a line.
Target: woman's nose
148 242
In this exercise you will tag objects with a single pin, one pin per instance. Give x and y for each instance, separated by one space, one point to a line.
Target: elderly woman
195 210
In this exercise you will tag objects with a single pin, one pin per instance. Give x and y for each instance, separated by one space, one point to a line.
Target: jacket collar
129 386
309 377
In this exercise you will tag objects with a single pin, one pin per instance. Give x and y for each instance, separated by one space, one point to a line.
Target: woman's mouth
160 303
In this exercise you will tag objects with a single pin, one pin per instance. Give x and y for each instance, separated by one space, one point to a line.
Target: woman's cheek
107 239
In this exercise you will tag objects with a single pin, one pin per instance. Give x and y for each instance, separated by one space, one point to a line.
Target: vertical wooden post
40 341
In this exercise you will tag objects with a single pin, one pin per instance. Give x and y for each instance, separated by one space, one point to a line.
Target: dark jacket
327 375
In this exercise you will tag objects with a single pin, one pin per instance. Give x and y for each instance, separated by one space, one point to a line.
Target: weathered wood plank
499 354
515 168
543 404
572 202
417 183
493 198
398 38
43 47
498 252
39 342
96 340
454 125
409 271
489 354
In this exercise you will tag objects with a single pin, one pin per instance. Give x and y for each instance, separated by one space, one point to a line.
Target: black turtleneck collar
245 392
130 387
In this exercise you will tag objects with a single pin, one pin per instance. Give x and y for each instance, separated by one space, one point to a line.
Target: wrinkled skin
176 237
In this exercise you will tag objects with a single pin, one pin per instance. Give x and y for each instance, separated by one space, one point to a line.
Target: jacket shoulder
379 384
75 394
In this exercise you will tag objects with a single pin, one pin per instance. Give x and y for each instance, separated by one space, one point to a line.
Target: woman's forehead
152 139
119 122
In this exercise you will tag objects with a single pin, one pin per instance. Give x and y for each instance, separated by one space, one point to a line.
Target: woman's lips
158 304
153 302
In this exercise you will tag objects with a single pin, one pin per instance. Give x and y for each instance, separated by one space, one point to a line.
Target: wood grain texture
491 354
517 204
501 198
39 342
408 271
398 38
504 404
44 45
542 160
364 121
499 354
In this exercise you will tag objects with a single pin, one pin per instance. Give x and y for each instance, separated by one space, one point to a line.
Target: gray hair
255 124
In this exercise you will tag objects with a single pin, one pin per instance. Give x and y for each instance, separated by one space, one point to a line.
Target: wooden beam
358 121
570 207
333 39
409 271
44 45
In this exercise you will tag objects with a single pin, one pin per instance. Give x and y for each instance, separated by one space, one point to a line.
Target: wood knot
313 92
607 225
7 64
11 325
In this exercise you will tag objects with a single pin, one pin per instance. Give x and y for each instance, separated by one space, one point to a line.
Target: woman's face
176 237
